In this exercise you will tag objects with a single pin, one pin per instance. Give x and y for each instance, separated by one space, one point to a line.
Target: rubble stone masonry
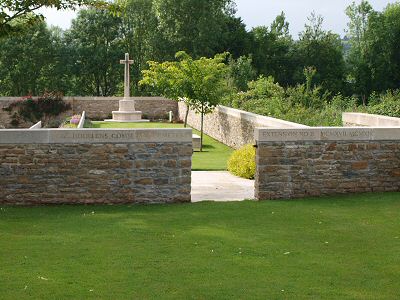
97 171
342 161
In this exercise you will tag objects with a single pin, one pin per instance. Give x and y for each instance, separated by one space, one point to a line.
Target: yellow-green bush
242 162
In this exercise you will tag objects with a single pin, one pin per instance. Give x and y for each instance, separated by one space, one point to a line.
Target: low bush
387 104
302 103
44 108
242 162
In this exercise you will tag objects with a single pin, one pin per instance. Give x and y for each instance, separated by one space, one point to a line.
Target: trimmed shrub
242 162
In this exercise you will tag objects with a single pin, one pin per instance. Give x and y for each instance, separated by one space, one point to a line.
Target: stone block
360 165
369 120
327 134
196 142
94 136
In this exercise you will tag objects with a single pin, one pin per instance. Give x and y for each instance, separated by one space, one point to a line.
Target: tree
322 50
201 82
196 27
358 24
241 72
139 35
27 61
359 71
235 38
17 15
58 69
272 50
383 36
95 50
374 58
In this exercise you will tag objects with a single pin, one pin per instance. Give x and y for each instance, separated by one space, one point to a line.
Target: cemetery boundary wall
100 108
369 120
87 166
233 127
296 163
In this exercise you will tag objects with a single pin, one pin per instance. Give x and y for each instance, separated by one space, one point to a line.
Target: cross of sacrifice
126 62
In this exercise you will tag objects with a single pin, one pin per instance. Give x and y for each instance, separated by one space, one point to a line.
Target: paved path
220 186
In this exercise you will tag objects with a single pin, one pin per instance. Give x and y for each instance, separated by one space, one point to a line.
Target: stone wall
369 120
233 127
95 166
100 108
326 161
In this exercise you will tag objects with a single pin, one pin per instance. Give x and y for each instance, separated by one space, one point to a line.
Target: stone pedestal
127 113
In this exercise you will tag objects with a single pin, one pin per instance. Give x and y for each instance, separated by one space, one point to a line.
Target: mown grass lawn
213 158
330 248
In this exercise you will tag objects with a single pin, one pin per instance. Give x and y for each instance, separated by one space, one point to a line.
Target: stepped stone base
127 113
127 105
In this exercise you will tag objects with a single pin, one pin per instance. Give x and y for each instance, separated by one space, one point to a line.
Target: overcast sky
263 12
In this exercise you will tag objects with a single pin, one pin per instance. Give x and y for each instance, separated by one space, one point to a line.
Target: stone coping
91 98
82 120
38 125
94 136
258 119
327 134
369 120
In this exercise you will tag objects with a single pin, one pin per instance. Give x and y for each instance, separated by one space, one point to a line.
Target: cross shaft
127 78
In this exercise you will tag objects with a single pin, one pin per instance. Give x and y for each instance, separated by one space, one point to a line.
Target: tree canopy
374 58
322 50
83 60
93 51
200 83
16 15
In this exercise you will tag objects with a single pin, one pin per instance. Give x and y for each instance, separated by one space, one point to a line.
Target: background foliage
361 68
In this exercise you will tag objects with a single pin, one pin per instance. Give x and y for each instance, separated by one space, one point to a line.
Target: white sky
263 12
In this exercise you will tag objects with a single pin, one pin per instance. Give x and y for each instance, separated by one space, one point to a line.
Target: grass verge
329 248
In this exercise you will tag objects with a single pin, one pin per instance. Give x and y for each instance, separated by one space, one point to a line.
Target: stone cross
126 62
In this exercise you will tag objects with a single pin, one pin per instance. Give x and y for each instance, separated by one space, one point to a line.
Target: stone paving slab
220 186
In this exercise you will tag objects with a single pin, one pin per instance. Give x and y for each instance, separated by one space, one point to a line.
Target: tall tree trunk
187 115
106 88
201 131
98 88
